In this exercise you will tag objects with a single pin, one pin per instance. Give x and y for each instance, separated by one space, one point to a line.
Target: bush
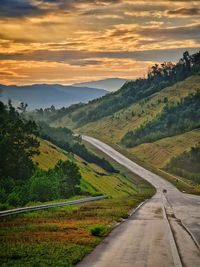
13 199
2 195
99 230
4 206
43 187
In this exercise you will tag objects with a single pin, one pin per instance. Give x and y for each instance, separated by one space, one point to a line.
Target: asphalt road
165 231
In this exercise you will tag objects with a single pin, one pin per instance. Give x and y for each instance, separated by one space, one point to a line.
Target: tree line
181 117
21 180
186 165
65 138
158 78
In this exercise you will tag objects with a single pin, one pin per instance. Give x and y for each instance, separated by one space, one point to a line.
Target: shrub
99 230
13 199
43 187
4 206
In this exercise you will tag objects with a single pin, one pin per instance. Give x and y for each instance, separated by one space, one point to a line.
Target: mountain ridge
45 95
109 84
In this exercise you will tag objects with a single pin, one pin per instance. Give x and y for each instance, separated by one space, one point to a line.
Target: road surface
165 231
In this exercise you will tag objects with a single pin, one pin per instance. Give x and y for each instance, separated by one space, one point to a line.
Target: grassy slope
49 155
61 236
95 179
160 152
112 128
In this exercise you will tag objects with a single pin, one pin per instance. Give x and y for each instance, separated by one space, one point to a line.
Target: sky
69 41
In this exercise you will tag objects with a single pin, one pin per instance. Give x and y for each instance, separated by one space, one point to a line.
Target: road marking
174 249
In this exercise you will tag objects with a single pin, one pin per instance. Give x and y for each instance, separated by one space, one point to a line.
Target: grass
95 180
113 128
181 183
49 155
159 153
61 236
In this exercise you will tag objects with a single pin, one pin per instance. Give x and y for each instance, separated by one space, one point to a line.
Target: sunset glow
68 41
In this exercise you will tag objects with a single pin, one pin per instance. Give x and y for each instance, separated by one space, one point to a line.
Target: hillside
112 128
160 152
169 110
95 180
159 78
44 95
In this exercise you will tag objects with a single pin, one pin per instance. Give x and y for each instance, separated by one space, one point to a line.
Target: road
165 231
48 206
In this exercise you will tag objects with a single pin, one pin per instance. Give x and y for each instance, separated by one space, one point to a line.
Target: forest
158 78
174 119
186 165
65 139
21 181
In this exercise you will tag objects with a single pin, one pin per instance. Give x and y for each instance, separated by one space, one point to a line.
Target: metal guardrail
51 205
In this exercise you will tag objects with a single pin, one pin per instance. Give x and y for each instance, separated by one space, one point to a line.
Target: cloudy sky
67 41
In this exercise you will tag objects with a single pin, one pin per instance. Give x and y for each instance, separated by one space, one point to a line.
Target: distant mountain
44 95
111 84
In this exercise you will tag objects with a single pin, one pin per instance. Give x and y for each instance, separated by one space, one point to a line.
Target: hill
95 180
111 84
44 95
168 108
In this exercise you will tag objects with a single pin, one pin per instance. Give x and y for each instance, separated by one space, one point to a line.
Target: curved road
165 231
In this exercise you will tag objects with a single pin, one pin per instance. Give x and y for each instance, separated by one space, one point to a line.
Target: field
159 153
63 236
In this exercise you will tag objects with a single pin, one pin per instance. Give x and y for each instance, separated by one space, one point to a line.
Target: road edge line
174 249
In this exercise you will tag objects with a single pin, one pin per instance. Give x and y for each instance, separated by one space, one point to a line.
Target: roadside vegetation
65 139
60 236
186 165
21 178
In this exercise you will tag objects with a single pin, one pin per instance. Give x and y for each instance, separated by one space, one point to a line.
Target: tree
22 107
18 143
70 178
43 186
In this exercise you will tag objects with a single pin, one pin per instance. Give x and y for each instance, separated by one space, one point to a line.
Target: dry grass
159 153
49 155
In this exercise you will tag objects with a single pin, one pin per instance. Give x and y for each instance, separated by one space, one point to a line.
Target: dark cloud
185 12
190 32
83 63
25 8
160 34
6 73
18 8
83 58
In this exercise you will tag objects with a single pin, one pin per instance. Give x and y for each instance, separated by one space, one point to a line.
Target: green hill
95 180
159 78
165 105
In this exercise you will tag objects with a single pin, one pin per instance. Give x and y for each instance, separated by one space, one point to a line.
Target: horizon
67 42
